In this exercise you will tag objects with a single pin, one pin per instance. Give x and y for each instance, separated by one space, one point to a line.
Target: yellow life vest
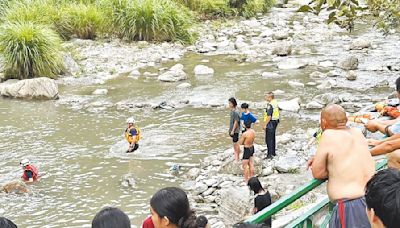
275 112
319 136
129 137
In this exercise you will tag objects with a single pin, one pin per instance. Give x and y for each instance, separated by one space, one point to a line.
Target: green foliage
387 13
157 20
30 50
250 8
207 7
39 11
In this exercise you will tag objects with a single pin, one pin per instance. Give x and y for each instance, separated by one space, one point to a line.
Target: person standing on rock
132 135
234 127
31 173
271 120
247 140
246 115
344 159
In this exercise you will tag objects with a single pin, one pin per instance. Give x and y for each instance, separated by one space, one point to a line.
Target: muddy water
79 150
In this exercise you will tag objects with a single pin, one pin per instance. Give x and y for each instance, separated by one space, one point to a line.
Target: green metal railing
306 218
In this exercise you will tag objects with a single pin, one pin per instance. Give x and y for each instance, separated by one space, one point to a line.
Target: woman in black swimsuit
263 198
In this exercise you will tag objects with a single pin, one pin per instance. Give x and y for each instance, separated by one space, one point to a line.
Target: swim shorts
248 152
130 150
235 137
350 213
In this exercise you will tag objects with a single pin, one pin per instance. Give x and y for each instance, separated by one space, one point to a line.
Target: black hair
233 101
172 202
246 225
383 195
201 221
111 217
398 84
271 94
6 223
244 106
247 123
255 185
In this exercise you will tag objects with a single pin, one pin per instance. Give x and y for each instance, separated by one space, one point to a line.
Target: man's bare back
248 138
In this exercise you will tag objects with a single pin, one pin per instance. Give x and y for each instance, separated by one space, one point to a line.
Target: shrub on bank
208 7
30 50
157 20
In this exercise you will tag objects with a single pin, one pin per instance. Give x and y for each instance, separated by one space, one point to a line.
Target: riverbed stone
351 76
193 173
174 74
327 98
200 187
210 182
184 85
70 66
270 75
128 180
235 205
282 49
291 64
36 88
295 84
360 44
326 63
288 164
327 84
318 75
291 106
15 187
314 105
100 92
349 63
208 192
203 70
280 35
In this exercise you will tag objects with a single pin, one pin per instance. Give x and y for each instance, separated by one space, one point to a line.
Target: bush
250 8
151 20
209 7
30 50
40 11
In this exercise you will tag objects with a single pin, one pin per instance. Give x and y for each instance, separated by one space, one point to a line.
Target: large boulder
203 70
174 74
231 167
36 88
282 49
235 205
288 164
350 63
16 187
291 106
360 44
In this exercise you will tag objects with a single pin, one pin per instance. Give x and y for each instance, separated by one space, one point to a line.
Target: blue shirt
245 117
133 132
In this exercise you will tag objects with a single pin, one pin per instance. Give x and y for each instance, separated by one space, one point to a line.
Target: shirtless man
247 140
389 146
343 157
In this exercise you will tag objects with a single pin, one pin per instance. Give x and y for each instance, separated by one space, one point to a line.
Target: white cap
130 120
24 162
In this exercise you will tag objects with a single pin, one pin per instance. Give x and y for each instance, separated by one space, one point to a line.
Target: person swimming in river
31 173
132 135
247 140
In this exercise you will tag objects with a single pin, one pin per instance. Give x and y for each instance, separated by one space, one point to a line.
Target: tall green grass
30 50
208 7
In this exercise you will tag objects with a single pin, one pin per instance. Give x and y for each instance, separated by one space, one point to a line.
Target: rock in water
36 88
282 50
71 67
318 75
351 76
16 187
291 106
184 85
314 105
280 35
291 64
235 205
350 63
174 74
360 44
296 84
203 70
100 92
128 180
193 173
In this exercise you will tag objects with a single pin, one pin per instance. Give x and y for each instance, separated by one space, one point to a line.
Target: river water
79 149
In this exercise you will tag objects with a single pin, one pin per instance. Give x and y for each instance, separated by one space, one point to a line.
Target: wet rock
280 35
134 73
326 64
188 185
100 92
235 205
203 70
291 64
327 98
208 192
314 105
269 170
270 75
311 83
318 75
279 92
128 180
37 88
184 85
209 199
327 84
282 50
174 74
296 84
360 44
288 164
291 106
351 76
70 66
193 173
334 74
200 188
210 182
15 187
350 63
266 33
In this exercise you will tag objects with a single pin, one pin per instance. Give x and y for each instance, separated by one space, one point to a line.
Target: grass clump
30 50
151 20
208 7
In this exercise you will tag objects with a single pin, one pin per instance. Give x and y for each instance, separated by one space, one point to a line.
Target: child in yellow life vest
132 135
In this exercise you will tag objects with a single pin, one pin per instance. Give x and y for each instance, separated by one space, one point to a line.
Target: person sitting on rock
344 159
6 223
247 115
111 217
383 199
263 198
132 135
247 140
31 173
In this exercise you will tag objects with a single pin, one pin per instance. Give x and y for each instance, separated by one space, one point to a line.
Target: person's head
398 87
333 117
24 162
170 209
244 107
6 223
130 121
255 185
232 103
202 222
111 217
269 96
247 124
383 199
